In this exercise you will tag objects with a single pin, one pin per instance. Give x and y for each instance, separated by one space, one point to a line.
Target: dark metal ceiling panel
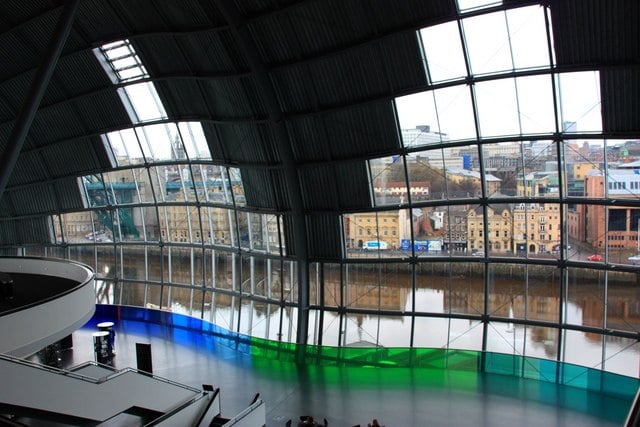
358 132
22 57
346 78
273 39
309 141
357 75
15 12
596 31
324 232
318 186
30 167
163 55
323 26
293 90
86 115
620 94
7 110
68 195
68 100
249 143
25 45
339 187
46 125
337 80
25 231
316 27
78 74
212 52
289 230
210 131
78 156
9 232
100 20
143 16
5 131
183 99
402 57
281 191
12 95
34 199
263 189
219 99
100 111
400 14
6 207
353 185
212 55
14 92
260 7
187 13
364 131
33 21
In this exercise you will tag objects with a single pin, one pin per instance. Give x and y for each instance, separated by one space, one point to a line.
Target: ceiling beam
36 91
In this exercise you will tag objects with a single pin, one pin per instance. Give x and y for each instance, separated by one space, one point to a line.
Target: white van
635 260
375 245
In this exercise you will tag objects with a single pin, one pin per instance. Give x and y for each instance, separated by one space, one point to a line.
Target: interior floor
349 396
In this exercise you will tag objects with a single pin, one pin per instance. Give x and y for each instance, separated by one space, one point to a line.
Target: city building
502 225
619 227
381 226
536 227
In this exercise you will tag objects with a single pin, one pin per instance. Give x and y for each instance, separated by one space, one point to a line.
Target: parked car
595 257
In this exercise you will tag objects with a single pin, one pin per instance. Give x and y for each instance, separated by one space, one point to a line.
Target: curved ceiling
297 94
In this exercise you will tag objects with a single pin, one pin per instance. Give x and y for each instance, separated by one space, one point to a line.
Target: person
374 423
307 421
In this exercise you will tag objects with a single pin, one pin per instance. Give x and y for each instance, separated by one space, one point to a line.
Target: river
514 292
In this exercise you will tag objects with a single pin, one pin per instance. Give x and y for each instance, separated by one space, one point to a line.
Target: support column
238 27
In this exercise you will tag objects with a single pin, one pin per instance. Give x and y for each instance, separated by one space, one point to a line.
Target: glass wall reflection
397 304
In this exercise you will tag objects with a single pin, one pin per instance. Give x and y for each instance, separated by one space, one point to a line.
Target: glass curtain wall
506 239
491 229
168 229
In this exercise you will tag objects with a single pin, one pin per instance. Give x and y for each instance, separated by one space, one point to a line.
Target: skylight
124 61
503 41
158 142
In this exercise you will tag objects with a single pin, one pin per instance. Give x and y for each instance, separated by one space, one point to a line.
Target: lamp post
638 238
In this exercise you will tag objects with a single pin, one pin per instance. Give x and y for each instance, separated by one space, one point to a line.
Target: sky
498 42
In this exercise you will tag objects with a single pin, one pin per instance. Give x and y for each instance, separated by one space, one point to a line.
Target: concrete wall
28 331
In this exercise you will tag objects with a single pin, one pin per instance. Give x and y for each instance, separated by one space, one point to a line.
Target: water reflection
422 320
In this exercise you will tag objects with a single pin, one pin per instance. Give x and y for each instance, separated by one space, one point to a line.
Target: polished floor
348 396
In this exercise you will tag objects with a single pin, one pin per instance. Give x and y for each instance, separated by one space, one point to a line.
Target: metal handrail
246 411
171 412
115 374
633 418
47 368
